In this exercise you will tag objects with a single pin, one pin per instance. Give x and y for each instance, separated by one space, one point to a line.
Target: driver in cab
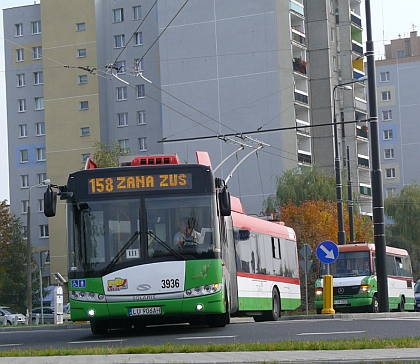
187 236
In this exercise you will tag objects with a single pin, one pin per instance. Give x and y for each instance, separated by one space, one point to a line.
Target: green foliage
404 210
12 260
297 186
107 155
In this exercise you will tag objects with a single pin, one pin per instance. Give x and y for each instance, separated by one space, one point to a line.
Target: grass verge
354 344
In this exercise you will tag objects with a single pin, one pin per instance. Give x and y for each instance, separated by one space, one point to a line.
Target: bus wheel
220 320
98 327
401 305
274 314
374 307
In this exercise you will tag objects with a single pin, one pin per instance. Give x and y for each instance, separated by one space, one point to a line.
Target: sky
390 20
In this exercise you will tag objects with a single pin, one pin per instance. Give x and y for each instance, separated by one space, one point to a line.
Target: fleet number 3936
170 283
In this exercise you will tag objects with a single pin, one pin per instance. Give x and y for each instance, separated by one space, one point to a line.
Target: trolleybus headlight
318 291
197 290
74 295
188 292
364 289
82 295
101 297
91 295
91 312
87 296
199 307
202 290
207 288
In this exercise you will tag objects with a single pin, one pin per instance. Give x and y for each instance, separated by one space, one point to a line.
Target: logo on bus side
117 284
143 287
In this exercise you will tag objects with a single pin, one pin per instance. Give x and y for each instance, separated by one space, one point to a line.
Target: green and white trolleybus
127 267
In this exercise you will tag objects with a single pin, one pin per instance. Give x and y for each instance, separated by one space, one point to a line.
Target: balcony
297 8
360 104
301 98
303 128
356 20
363 162
299 65
362 132
304 158
365 190
357 48
298 38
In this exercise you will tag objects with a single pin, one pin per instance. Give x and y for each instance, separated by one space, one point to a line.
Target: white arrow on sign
329 254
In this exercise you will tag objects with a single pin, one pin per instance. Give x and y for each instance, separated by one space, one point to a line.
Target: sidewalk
316 356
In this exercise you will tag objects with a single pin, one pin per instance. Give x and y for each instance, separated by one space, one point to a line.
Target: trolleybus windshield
117 233
348 264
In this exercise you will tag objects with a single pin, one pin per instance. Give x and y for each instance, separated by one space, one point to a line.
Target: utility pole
376 173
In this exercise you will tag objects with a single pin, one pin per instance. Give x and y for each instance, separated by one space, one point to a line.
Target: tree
12 260
107 155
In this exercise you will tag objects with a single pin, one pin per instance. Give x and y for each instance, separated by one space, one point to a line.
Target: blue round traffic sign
327 251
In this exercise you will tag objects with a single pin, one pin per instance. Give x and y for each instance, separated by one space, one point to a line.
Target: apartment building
397 76
224 77
335 54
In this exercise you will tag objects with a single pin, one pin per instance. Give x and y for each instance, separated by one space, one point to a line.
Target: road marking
206 337
4 345
332 333
96 341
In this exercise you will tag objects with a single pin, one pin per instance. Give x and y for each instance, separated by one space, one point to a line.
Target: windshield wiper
166 246
121 252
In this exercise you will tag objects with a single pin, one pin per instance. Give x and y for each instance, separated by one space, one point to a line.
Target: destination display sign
127 183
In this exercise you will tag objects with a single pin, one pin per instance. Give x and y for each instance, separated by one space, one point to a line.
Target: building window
124 145
384 76
82 79
140 91
334 63
85 131
36 27
331 6
81 53
122 119
80 27
386 115
40 154
390 173
141 117
139 64
137 12
38 78
85 157
19 30
118 15
23 156
400 54
20 80
41 205
390 192
120 67
22 105
23 131
119 41
388 134
43 231
332 32
84 105
389 153
19 55
142 144
24 206
41 177
40 129
37 52
39 103
121 93
138 36
386 96
24 181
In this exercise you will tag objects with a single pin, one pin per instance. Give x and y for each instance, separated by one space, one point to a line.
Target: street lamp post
339 186
29 252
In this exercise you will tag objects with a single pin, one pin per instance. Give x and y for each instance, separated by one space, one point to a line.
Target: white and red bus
354 279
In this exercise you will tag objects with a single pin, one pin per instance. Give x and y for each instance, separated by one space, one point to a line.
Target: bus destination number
139 183
145 311
170 283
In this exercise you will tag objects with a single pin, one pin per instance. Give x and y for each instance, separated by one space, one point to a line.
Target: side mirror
224 202
50 202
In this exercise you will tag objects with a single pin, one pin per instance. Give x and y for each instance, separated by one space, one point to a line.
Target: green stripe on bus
258 304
